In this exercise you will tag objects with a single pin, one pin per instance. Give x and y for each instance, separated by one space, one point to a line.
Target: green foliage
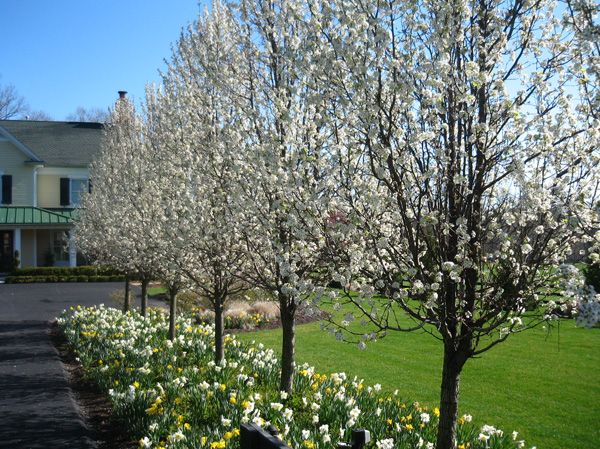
117 298
592 275
84 270
239 321
28 279
16 263
49 257
186 301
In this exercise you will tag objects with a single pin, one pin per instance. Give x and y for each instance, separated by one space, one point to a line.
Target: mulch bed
303 316
106 429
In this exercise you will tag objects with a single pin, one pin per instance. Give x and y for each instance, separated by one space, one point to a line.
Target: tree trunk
145 282
288 315
453 364
127 299
172 312
219 328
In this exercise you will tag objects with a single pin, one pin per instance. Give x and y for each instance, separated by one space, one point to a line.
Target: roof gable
57 144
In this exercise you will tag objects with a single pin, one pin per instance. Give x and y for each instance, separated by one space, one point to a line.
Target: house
43 170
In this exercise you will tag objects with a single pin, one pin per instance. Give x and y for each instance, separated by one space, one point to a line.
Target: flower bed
239 321
172 394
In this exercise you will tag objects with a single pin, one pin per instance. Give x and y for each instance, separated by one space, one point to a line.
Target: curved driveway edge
37 407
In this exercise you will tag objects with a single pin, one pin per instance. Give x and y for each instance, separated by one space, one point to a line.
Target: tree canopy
437 160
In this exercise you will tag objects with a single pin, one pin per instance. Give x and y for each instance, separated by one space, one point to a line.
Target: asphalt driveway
37 406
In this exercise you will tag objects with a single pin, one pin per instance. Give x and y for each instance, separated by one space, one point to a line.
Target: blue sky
62 54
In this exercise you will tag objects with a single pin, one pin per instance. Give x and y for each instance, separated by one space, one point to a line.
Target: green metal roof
57 144
34 216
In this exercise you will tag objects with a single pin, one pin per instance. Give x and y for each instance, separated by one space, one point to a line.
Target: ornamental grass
171 394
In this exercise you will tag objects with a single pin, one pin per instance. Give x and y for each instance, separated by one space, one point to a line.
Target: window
6 189
60 253
71 191
78 188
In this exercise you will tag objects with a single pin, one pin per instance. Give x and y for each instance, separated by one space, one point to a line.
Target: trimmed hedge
84 270
80 278
86 273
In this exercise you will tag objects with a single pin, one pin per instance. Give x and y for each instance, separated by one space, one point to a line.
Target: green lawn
156 290
545 386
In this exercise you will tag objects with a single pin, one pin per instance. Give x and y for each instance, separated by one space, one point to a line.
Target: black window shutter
6 189
65 194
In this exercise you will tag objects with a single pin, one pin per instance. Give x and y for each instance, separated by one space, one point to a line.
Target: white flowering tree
121 222
468 162
583 18
200 115
284 183
112 217
155 203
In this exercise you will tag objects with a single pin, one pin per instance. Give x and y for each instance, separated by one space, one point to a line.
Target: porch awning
34 216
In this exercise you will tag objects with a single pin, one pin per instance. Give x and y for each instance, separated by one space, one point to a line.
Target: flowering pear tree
156 205
284 184
583 18
467 165
112 216
201 116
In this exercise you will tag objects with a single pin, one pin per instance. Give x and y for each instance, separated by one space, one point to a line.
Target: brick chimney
123 94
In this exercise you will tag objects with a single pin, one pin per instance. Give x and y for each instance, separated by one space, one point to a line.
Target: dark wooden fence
255 437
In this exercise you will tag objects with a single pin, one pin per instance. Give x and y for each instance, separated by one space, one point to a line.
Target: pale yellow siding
49 191
12 162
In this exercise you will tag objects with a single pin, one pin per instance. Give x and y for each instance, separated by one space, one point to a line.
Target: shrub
592 275
117 298
16 260
84 270
49 257
65 274
14 280
87 270
187 301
